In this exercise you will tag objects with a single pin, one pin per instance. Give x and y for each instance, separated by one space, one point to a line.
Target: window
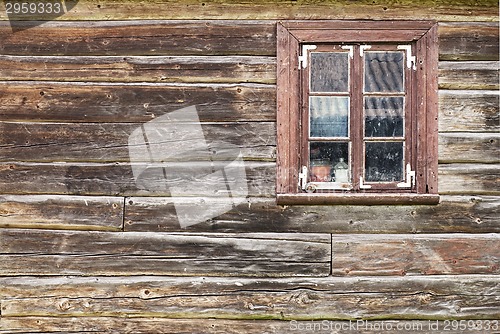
357 112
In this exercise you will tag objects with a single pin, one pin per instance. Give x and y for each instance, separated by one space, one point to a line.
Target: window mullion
356 136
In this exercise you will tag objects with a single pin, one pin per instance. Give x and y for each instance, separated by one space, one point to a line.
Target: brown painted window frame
422 35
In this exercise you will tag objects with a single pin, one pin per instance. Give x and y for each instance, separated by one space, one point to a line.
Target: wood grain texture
469 111
73 90
469 147
442 254
85 102
270 9
117 179
432 129
41 252
212 326
468 41
458 41
469 179
61 212
478 75
207 69
109 142
346 298
186 69
140 38
459 110
455 214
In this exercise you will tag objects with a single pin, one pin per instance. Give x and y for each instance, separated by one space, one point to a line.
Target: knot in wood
303 297
424 297
64 305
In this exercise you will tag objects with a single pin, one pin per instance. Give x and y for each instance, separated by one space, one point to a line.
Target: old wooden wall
84 249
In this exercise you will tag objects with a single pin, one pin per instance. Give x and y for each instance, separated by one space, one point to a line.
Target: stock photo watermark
356 326
171 155
25 14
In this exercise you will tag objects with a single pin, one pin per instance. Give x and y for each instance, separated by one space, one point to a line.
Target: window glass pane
384 161
329 72
329 162
384 116
384 71
329 116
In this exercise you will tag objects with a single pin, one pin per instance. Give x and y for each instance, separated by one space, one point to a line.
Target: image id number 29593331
33 7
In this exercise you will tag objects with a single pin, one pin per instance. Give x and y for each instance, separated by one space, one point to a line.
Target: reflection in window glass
329 72
384 116
329 116
384 161
384 71
329 162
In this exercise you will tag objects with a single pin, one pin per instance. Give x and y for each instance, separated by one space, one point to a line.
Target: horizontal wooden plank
61 212
113 142
476 111
455 214
441 10
442 254
118 179
139 38
458 41
213 69
469 75
208 69
132 253
216 326
461 110
468 41
220 326
469 179
469 147
346 298
150 287
85 102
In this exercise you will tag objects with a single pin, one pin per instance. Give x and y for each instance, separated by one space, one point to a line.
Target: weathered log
474 111
61 212
159 325
469 147
109 142
458 41
460 110
130 38
207 69
117 179
469 75
186 69
469 179
468 41
42 252
441 10
346 298
84 102
442 254
454 214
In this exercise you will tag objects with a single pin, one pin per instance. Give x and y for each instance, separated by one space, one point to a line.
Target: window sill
357 199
